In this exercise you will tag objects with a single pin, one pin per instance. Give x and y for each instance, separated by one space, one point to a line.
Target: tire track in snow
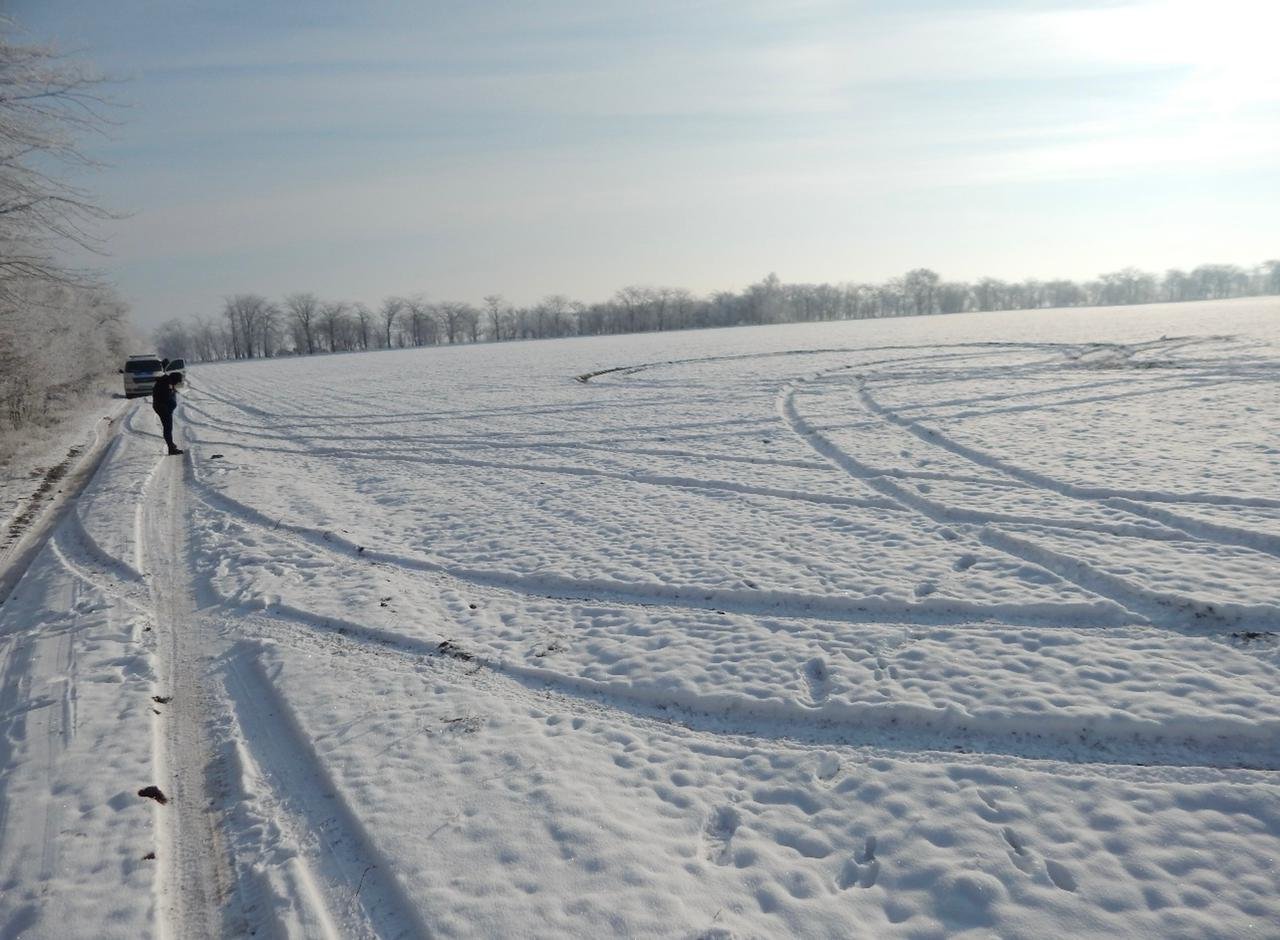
337 545
93 574
1203 741
927 611
189 879
1202 528
938 512
648 479
199 873
194 877
1146 606
898 728
348 883
18 553
972 349
991 462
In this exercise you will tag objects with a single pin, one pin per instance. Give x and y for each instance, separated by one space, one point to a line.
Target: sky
360 150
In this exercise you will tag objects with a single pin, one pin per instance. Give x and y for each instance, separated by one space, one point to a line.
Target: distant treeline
251 326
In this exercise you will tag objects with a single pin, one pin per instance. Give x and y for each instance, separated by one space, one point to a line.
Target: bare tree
389 315
208 340
1061 293
471 323
46 104
495 308
453 313
363 317
423 326
921 287
332 322
634 300
764 301
252 321
304 311
552 315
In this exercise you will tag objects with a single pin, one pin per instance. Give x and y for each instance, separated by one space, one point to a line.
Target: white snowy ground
957 626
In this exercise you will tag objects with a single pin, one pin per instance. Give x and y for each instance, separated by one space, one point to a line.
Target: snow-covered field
919 628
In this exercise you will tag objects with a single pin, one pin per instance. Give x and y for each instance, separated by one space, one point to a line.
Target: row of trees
252 326
60 330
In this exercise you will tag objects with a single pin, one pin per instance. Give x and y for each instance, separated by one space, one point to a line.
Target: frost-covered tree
172 340
47 104
253 325
333 325
362 325
303 310
636 308
455 315
497 311
921 288
389 317
66 341
1271 277
61 332
423 328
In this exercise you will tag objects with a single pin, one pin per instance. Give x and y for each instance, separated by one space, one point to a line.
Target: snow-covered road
901 628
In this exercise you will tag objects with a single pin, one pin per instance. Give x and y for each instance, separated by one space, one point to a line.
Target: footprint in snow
1019 854
884 668
993 810
718 833
817 675
1060 875
1025 861
862 870
828 768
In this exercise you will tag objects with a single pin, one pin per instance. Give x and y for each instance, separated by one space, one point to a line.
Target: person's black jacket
163 398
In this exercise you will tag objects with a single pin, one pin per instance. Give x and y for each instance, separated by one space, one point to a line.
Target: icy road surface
959 626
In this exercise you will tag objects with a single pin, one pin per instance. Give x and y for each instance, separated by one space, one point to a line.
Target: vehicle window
142 365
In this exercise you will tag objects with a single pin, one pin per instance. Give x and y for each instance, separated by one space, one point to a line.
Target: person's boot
176 450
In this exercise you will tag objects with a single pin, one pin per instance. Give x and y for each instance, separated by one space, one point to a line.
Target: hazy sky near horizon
459 149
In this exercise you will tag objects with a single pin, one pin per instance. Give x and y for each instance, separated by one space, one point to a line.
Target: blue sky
365 149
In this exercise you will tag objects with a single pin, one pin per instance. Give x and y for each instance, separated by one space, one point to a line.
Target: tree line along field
252 326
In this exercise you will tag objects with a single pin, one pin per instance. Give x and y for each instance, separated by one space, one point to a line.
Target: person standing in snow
164 399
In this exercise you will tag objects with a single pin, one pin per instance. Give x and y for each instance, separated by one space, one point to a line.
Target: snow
77 728
950 626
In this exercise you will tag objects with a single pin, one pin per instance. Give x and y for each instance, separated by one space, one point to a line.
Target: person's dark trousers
166 420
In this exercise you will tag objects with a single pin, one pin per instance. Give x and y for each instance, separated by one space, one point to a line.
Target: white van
140 374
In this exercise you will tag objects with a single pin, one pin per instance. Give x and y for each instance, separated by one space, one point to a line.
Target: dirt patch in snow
154 793
49 481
